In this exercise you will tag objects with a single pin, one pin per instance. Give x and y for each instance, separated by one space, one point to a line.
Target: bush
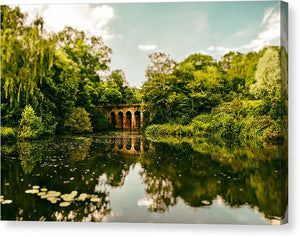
31 126
230 128
99 121
49 124
8 134
78 121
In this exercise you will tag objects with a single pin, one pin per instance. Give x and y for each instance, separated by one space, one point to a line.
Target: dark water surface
122 177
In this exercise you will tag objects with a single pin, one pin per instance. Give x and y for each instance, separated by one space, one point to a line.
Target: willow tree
26 55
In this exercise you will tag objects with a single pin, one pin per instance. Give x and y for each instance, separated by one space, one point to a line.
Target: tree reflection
239 175
198 172
29 154
83 145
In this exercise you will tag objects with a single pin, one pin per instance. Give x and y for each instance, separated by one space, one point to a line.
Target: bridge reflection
128 144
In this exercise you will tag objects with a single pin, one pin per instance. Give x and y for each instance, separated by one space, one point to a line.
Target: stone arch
128 120
113 119
137 120
120 120
137 145
128 144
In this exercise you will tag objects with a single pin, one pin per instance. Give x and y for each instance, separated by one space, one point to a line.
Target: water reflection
170 173
127 143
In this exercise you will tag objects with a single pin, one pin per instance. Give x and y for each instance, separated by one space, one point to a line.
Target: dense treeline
240 97
52 83
47 79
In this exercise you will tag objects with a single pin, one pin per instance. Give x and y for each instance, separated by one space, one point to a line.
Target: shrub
99 121
8 133
49 124
78 121
31 126
230 128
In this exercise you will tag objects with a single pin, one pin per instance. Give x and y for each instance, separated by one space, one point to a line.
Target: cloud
267 14
270 33
218 51
147 47
83 17
211 48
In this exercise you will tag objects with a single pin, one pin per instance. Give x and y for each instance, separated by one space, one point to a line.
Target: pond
123 177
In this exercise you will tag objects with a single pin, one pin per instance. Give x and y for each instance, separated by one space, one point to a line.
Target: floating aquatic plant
55 196
6 202
32 191
64 204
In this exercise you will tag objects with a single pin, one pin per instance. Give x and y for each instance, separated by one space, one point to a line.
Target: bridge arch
120 120
128 120
124 116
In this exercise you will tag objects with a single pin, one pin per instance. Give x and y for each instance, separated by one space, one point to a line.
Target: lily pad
82 197
95 199
53 199
67 197
36 187
31 191
64 204
73 193
53 194
41 193
6 201
44 189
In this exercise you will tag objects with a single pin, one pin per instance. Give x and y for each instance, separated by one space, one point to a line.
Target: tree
267 75
205 88
90 53
26 56
31 126
160 63
236 66
79 121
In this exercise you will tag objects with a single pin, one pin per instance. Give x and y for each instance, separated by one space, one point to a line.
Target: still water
123 177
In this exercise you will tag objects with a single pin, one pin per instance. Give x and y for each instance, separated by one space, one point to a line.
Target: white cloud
83 17
268 13
270 33
211 48
147 47
218 51
221 49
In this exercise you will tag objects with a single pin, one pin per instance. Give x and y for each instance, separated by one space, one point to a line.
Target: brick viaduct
124 116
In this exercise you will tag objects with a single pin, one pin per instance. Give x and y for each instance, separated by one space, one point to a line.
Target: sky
134 30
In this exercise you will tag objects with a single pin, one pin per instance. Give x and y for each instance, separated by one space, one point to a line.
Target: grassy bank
242 121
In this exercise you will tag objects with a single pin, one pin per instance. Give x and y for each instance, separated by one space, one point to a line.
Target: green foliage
78 121
31 126
98 120
55 73
27 56
204 98
267 75
8 134
240 120
59 73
